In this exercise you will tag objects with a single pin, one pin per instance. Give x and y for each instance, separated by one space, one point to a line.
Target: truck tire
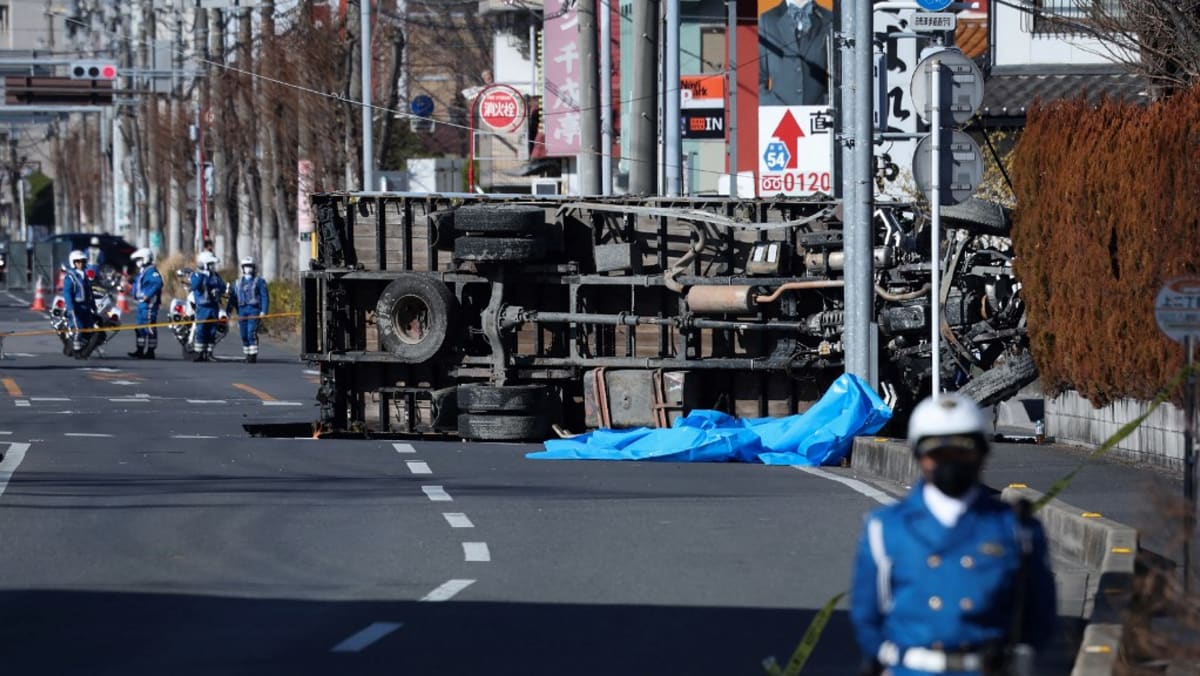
414 314
979 217
502 427
499 249
511 219
510 398
1002 381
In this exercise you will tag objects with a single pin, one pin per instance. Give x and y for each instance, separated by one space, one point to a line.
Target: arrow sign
790 132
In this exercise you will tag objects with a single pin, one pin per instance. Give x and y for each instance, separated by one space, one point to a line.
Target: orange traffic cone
122 299
39 297
58 283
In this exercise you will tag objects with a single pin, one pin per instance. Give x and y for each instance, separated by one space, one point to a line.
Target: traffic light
92 70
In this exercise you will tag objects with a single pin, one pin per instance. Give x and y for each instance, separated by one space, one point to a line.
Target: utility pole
731 86
859 195
606 126
368 125
589 103
672 120
643 166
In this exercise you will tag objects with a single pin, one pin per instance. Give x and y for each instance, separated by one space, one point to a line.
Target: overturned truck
506 318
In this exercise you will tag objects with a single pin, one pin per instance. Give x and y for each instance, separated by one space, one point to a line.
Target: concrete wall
1019 46
1071 419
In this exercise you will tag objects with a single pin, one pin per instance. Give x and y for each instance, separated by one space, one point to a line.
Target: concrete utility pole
859 195
672 131
589 101
606 126
368 126
643 166
731 86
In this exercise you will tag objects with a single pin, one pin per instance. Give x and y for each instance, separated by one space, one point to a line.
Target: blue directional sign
776 156
422 105
934 5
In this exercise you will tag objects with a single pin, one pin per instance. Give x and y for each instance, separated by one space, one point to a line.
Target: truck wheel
512 219
499 249
485 398
414 314
979 217
1002 381
502 427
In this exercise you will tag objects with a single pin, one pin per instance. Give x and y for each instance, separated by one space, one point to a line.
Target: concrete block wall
1071 419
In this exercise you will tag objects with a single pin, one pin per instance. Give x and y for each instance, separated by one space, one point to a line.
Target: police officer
80 303
95 257
147 290
950 579
207 289
249 298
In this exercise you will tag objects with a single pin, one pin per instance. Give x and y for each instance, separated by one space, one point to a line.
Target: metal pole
606 126
853 232
672 120
200 234
368 130
732 87
471 141
1189 460
588 159
935 260
643 173
862 271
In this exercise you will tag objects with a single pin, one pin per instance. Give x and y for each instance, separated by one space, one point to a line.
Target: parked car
116 250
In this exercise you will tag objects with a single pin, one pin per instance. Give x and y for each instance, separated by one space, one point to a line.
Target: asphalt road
143 532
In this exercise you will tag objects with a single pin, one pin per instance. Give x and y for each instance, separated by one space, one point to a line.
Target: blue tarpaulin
822 435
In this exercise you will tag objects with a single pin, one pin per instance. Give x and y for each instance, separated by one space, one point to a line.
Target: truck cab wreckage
507 318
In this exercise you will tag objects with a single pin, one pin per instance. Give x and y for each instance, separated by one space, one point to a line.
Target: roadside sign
1177 308
962 91
502 108
421 105
934 22
934 5
795 150
962 167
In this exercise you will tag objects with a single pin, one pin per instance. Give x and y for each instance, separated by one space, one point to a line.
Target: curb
1102 545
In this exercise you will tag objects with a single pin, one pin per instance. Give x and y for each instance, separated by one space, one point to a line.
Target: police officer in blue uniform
147 290
95 257
80 303
950 580
207 290
249 298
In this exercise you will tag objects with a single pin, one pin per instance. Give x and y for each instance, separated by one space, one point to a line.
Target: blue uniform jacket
147 286
208 289
249 296
77 294
920 584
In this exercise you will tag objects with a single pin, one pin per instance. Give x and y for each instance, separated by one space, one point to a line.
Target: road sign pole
935 225
1189 460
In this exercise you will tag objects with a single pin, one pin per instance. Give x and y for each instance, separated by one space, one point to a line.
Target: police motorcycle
105 288
181 316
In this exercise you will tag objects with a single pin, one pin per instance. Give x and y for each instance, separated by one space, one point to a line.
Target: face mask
956 478
247 272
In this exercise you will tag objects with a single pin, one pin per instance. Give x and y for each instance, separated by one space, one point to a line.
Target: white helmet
207 260
249 261
143 254
95 241
76 255
949 419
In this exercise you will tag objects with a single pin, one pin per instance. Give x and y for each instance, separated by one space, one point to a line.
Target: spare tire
512 219
485 398
414 315
502 427
1002 381
499 249
979 217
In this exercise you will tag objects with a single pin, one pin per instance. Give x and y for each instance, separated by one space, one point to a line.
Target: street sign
421 105
776 156
962 167
502 108
795 150
962 92
1177 308
25 90
934 5
932 22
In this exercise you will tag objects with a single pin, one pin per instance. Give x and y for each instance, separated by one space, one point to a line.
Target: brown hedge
1108 207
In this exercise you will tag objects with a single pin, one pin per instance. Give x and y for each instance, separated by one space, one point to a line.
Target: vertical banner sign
795 150
893 159
304 189
561 115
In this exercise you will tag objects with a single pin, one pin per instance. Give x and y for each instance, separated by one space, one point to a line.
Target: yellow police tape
127 327
813 634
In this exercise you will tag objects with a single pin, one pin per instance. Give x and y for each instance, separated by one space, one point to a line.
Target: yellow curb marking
14 390
256 392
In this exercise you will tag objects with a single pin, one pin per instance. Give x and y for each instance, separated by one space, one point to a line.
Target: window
712 49
1071 17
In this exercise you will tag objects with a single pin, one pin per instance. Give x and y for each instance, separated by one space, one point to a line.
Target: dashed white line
129 400
12 460
87 434
283 403
366 637
123 382
22 403
437 493
457 520
3 433
207 401
404 448
448 590
856 485
311 372
418 467
193 436
476 551
49 399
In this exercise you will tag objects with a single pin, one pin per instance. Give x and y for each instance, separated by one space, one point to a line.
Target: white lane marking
5 433
404 448
437 493
283 403
129 400
23 403
10 295
193 436
418 467
856 485
207 401
100 369
476 551
122 382
448 590
49 399
366 637
311 372
457 520
20 354
12 460
87 434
